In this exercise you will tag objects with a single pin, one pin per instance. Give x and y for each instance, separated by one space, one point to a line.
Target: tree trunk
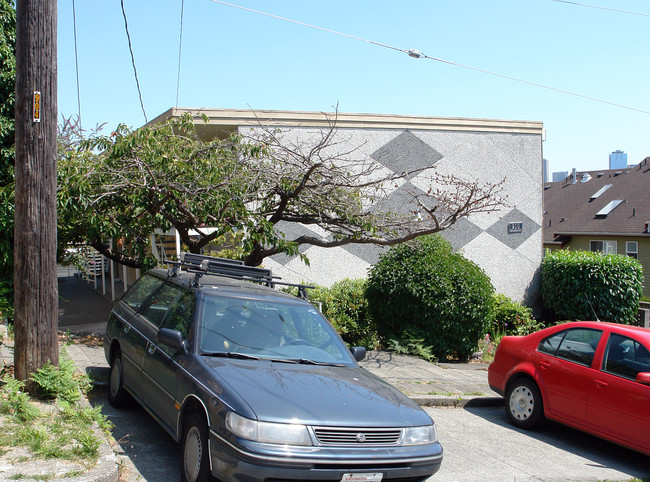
35 283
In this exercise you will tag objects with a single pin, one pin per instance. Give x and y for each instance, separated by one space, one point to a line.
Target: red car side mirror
643 377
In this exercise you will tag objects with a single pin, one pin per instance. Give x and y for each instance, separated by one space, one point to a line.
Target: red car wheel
524 404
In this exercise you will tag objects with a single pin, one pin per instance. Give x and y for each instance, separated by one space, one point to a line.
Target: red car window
577 345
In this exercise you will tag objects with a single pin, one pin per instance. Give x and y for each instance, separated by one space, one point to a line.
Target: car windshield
268 329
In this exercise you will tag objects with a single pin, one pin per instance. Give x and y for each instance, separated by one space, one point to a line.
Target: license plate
374 477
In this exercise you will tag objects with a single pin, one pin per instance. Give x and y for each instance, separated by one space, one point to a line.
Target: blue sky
232 58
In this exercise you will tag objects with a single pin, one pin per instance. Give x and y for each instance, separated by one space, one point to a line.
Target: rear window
141 290
576 345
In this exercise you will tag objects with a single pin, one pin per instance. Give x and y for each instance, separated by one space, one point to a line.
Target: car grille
357 436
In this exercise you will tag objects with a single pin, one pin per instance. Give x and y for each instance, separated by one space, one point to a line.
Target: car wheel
195 464
524 404
117 395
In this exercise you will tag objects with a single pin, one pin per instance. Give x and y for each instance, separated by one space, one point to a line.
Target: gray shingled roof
570 208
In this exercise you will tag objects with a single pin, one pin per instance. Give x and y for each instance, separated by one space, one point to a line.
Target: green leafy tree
424 295
128 185
131 184
7 101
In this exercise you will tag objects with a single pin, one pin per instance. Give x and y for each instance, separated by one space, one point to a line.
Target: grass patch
55 424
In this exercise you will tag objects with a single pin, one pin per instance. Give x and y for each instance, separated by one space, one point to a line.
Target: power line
76 59
413 53
308 25
417 54
602 8
135 71
180 44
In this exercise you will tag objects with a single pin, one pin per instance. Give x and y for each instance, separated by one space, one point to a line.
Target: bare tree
326 182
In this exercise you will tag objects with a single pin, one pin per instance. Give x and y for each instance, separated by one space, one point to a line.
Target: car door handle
126 328
600 384
151 348
544 365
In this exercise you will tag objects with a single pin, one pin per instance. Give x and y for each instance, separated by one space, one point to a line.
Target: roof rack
200 264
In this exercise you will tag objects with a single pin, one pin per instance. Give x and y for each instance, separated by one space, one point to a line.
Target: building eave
247 117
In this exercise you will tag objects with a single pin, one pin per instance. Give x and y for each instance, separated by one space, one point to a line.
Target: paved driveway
479 445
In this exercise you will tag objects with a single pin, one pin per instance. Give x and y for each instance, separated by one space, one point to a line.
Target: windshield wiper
307 361
230 354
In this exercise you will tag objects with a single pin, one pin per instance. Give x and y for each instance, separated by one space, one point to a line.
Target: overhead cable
602 8
180 44
135 71
76 61
417 54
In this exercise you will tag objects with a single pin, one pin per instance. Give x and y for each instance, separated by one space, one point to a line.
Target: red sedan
592 376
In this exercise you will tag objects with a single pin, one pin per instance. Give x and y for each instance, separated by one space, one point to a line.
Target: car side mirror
358 352
643 377
171 338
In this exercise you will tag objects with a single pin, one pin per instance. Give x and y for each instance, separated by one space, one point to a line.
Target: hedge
585 285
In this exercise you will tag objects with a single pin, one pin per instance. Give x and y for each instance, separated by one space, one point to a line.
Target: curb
457 402
98 376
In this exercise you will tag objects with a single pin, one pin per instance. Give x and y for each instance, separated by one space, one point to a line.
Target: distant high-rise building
560 176
545 169
618 160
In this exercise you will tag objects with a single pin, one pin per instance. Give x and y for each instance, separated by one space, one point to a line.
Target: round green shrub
424 291
575 281
344 304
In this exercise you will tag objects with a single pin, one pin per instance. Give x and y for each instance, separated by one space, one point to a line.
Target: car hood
316 395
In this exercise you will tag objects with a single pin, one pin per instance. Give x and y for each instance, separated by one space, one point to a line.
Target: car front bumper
318 463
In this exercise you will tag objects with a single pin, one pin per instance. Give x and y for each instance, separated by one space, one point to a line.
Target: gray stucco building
507 243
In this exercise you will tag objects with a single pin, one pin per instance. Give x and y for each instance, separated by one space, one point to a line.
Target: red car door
618 406
564 362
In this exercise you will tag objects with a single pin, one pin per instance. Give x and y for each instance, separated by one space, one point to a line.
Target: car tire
195 456
524 405
117 394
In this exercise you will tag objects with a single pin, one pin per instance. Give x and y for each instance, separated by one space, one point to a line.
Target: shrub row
422 298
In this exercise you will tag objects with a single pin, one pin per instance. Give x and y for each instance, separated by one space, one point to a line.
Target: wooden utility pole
35 283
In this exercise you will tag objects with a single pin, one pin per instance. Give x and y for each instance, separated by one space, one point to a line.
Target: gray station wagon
255 384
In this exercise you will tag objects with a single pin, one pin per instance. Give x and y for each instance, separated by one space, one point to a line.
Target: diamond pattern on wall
401 200
513 240
461 233
292 231
406 152
367 252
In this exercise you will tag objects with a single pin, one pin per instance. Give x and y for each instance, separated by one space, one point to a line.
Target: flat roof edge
250 117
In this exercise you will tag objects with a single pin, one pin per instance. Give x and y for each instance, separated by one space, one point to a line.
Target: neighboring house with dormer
607 210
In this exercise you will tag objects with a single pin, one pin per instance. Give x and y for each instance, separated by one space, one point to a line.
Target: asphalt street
479 445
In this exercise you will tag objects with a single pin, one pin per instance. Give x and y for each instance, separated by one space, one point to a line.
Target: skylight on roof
600 191
609 208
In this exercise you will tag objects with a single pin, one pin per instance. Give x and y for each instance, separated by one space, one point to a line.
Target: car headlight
267 432
426 434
